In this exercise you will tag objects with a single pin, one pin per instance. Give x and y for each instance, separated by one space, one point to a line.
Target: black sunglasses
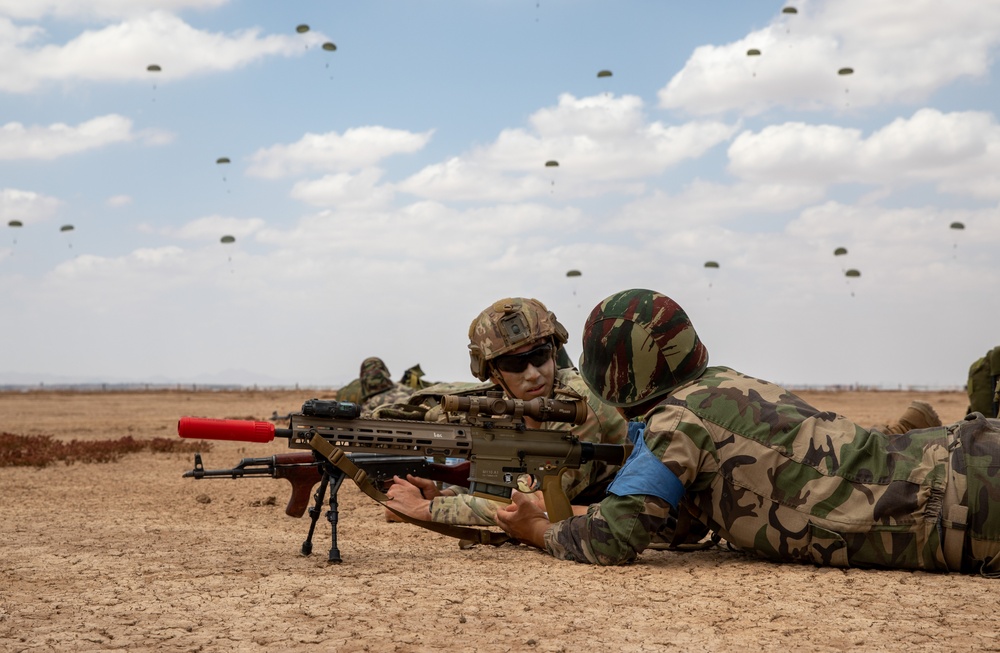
517 363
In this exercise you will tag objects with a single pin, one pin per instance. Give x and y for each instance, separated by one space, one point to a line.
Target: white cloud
19 142
345 190
959 151
27 206
118 200
602 144
900 52
123 51
359 147
211 228
70 9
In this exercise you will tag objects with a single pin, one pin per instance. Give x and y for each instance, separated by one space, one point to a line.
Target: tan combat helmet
506 325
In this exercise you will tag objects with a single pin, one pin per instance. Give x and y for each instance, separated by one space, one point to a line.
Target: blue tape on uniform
644 473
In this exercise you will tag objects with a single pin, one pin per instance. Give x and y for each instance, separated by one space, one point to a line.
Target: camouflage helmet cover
637 345
506 325
374 377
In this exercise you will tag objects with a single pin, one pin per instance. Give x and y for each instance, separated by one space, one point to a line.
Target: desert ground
130 555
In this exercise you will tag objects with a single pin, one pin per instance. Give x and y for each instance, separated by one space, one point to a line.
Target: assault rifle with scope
502 453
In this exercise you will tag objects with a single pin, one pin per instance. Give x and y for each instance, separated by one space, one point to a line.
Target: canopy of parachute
573 273
840 251
753 52
552 164
845 71
852 273
957 225
227 239
329 46
789 10
711 264
302 29
153 68
66 227
222 159
604 73
15 223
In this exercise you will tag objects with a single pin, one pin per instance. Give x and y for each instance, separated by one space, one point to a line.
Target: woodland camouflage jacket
780 479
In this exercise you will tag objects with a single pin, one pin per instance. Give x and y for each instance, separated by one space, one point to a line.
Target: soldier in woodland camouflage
378 388
513 347
763 469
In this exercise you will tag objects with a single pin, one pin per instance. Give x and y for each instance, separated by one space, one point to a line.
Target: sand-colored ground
125 556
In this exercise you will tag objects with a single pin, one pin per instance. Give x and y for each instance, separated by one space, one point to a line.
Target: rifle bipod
332 477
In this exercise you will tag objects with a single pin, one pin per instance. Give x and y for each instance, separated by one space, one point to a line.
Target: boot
918 415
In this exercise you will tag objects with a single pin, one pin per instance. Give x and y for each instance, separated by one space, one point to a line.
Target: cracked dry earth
130 556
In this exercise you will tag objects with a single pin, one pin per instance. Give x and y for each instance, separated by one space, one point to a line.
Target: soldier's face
536 379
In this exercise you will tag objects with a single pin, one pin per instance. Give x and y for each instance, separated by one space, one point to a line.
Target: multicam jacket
780 479
397 393
588 483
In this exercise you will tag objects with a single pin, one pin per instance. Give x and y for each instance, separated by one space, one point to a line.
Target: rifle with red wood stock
502 453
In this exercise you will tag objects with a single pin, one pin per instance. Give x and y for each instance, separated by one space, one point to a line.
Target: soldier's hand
428 488
405 497
524 520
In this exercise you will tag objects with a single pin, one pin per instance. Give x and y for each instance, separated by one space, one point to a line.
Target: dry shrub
42 450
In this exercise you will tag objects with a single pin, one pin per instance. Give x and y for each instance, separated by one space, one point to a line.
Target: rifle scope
540 408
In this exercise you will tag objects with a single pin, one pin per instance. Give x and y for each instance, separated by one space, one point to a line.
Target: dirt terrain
131 556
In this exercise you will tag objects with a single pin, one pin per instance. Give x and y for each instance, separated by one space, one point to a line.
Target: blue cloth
644 473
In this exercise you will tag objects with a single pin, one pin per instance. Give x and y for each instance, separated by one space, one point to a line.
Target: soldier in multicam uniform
514 345
378 388
769 473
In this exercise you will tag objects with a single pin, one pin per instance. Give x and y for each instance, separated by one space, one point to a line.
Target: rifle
303 469
500 449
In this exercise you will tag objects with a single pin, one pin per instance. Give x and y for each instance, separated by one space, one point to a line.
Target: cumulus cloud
56 140
27 206
899 51
68 9
359 147
345 190
211 228
959 151
601 144
123 51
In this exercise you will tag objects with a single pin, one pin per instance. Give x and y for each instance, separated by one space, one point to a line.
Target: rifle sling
337 457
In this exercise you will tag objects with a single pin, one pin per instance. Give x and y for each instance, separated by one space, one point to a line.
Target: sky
383 190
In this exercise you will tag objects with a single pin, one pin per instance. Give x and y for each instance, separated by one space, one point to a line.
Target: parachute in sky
840 251
712 264
573 273
789 10
957 225
845 71
329 47
66 228
603 73
852 273
225 240
222 159
302 29
552 163
15 224
753 53
153 68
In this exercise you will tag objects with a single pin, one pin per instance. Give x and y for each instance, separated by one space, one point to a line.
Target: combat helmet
374 378
637 345
506 325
